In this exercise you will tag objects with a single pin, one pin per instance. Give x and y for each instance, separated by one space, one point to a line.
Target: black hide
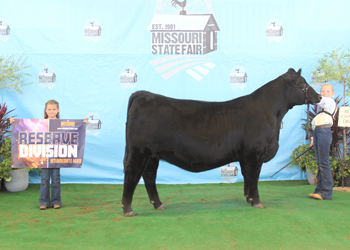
198 136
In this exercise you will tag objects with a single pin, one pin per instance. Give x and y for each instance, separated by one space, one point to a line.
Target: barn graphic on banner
94 124
4 30
128 77
47 77
228 173
92 30
183 38
238 77
183 34
274 30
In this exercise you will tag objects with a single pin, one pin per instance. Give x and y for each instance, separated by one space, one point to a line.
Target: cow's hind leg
134 166
149 176
252 169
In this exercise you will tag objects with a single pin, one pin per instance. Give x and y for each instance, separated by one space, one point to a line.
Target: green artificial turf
207 216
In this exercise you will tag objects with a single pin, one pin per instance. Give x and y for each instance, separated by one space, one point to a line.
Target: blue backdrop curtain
91 56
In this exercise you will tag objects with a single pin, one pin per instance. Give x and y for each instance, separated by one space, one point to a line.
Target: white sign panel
344 117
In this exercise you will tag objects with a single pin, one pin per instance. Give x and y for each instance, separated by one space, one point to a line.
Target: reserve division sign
47 143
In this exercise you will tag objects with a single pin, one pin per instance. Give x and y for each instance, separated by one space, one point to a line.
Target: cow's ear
299 72
287 76
291 71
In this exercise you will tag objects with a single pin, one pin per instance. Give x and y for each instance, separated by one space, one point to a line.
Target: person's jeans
322 143
46 174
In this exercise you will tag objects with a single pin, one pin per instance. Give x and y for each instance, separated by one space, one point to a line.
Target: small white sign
344 117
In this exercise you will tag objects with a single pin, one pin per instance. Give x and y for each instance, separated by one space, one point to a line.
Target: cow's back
152 112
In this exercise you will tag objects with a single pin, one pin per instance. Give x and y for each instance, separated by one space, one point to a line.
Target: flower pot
311 177
19 180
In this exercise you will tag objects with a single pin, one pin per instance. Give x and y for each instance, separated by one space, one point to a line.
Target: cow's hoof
130 214
258 205
161 207
249 200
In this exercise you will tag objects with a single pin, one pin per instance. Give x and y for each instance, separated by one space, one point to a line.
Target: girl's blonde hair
51 102
328 85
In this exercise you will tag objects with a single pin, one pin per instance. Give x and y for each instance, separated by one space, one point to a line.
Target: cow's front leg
254 195
253 189
149 176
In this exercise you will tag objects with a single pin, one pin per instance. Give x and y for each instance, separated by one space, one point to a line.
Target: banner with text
48 143
91 56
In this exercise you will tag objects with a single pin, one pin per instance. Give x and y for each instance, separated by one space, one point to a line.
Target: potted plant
13 78
13 180
5 162
17 179
4 132
306 162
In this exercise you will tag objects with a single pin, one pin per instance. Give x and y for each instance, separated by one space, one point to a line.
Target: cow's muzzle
319 98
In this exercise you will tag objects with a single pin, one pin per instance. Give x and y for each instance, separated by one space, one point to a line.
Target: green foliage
4 121
5 160
12 75
5 143
336 165
335 66
5 155
306 162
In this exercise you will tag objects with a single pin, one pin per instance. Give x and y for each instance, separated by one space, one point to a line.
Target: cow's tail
126 155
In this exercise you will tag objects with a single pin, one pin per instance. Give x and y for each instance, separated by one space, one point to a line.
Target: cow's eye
304 86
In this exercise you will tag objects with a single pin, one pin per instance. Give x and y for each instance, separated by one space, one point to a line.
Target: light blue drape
88 68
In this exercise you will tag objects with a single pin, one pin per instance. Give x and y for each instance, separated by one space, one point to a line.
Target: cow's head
303 93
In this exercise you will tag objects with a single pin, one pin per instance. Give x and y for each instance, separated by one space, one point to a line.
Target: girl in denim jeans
321 141
51 111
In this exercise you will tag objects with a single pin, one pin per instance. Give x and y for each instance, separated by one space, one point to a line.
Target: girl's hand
11 120
86 120
311 141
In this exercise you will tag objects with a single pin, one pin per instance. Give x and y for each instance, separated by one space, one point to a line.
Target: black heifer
199 136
